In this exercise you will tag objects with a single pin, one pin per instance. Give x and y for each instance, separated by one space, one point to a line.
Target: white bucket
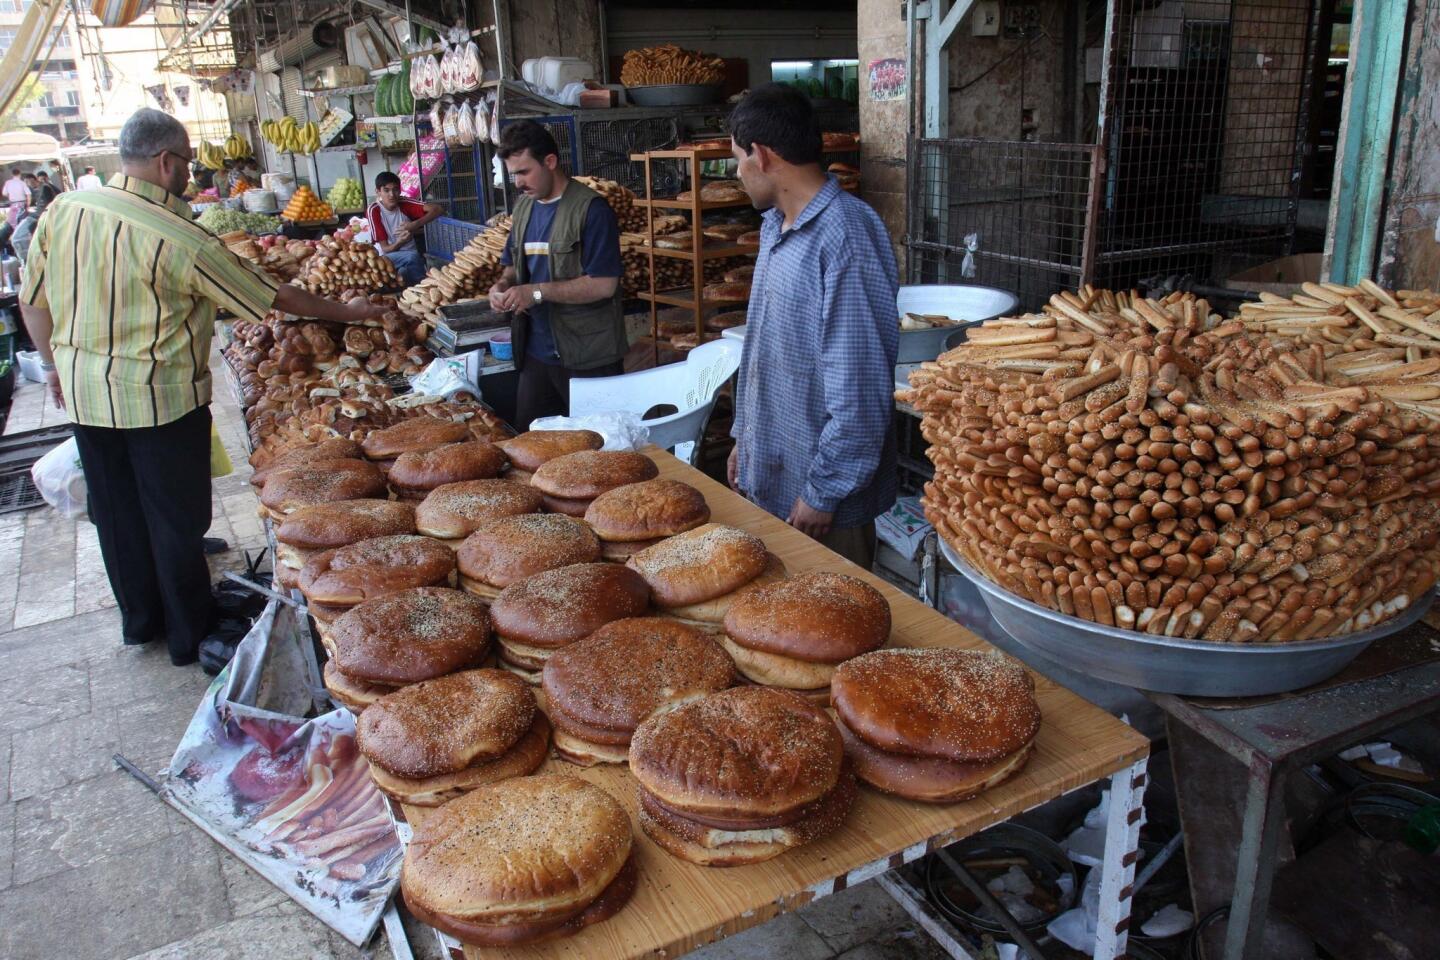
261 201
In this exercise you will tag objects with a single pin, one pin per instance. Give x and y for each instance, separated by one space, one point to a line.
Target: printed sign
887 79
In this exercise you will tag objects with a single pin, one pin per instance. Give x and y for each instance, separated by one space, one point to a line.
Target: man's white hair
150 132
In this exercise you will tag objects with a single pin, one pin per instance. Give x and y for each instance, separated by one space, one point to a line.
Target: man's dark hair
89 169
781 118
41 174
385 179
525 135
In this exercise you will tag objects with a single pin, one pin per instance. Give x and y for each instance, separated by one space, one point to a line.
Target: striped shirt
132 282
817 374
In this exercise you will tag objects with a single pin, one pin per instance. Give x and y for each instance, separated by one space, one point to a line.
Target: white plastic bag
60 479
444 377
622 431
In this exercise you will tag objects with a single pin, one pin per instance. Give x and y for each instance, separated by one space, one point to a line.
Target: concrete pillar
880 35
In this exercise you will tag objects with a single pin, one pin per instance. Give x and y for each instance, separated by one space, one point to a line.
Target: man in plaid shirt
813 442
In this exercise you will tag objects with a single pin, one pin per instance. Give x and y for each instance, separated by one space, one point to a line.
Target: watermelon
383 95
403 95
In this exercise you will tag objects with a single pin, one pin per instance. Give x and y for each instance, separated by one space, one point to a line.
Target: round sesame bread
354 695
530 450
711 613
701 564
522 759
587 474
331 448
372 568
557 607
417 433
521 851
571 508
453 511
443 725
324 526
742 754
620 551
629 669
776 670
584 752
958 705
421 471
817 617
513 548
711 846
413 635
320 481
647 510
925 778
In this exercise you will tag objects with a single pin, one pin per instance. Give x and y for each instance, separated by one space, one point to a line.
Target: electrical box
1021 20
985 18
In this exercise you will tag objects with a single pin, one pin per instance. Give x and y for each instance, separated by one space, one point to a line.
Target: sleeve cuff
818 500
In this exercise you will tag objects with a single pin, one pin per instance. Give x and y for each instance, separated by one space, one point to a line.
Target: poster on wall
887 79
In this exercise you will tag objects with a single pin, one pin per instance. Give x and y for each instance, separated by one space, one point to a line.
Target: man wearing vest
561 283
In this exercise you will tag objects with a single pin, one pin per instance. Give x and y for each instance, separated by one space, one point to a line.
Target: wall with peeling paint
880 35
1409 252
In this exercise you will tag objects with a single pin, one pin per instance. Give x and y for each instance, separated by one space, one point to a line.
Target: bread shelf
681 297
707 253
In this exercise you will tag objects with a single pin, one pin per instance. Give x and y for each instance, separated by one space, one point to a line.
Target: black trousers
544 389
149 493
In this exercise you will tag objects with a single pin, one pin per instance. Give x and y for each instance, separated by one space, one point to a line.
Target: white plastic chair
690 387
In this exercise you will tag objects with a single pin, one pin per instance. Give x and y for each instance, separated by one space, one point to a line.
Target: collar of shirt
143 188
775 217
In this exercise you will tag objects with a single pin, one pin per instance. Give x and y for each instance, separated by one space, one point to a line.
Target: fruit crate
446 236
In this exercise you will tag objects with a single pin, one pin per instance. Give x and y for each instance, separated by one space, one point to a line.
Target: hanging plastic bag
447 71
60 479
432 76
465 125
967 264
452 126
473 68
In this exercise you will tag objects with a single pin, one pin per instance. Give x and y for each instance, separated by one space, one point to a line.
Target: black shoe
135 641
214 545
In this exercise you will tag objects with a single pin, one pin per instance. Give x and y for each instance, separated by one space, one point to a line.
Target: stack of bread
520 862
528 451
508 550
636 516
335 580
473 271
416 435
435 740
550 610
452 512
794 633
596 697
401 638
569 483
417 472
740 776
695 576
327 526
340 265
287 489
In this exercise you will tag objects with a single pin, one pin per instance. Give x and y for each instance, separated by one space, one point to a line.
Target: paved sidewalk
93 867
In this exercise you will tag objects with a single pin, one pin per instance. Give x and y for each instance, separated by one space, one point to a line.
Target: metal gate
1200 122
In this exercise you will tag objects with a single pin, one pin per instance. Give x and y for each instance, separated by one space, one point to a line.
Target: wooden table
679 906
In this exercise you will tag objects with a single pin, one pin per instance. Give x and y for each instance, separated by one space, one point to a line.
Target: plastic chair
690 387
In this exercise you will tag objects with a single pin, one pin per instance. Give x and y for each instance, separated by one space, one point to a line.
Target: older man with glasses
120 292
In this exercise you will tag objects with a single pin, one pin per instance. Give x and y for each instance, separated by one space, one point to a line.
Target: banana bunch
238 148
210 156
288 136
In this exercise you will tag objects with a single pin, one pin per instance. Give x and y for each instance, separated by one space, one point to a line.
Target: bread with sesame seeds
348 575
331 448
324 526
710 614
817 617
354 695
571 508
647 510
513 548
453 511
529 450
418 472
320 481
588 473
416 433
526 756
600 689
521 861
412 635
937 725
701 564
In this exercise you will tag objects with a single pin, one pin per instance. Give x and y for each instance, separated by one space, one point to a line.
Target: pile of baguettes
630 629
1148 464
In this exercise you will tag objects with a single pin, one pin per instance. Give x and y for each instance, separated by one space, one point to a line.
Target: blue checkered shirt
817 377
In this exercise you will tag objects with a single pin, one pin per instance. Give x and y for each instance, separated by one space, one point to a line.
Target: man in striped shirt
120 292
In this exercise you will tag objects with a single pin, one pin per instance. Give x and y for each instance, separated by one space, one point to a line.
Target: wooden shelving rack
698 253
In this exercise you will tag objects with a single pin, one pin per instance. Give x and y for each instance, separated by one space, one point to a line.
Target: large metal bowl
1196 668
972 305
674 94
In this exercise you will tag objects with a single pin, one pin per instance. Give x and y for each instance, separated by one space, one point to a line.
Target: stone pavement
93 867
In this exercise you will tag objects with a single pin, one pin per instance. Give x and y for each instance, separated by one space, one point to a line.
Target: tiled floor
93 866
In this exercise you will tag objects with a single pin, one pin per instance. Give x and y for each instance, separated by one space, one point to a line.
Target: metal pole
987 899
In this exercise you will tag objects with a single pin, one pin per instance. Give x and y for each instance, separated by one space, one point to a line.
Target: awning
21 145
32 44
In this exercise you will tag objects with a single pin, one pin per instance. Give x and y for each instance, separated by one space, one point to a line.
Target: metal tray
674 94
970 305
1196 668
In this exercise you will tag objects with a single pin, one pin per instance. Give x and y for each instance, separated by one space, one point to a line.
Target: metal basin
972 305
1196 668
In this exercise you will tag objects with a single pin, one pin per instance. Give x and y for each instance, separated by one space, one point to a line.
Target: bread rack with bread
556 651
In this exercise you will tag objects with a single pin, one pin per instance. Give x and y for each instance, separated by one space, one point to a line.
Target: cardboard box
1282 277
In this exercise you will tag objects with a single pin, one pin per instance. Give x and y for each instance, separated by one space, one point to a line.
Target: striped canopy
117 13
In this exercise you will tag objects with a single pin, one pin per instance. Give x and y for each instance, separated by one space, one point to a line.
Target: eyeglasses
178 156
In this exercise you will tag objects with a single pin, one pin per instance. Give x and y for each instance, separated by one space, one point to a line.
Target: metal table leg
1117 876
1255 862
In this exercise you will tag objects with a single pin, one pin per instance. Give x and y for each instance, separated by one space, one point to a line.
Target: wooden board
679 907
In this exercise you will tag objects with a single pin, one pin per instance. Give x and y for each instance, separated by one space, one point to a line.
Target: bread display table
679 907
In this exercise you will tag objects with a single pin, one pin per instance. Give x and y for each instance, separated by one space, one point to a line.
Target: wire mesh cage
606 146
1009 214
